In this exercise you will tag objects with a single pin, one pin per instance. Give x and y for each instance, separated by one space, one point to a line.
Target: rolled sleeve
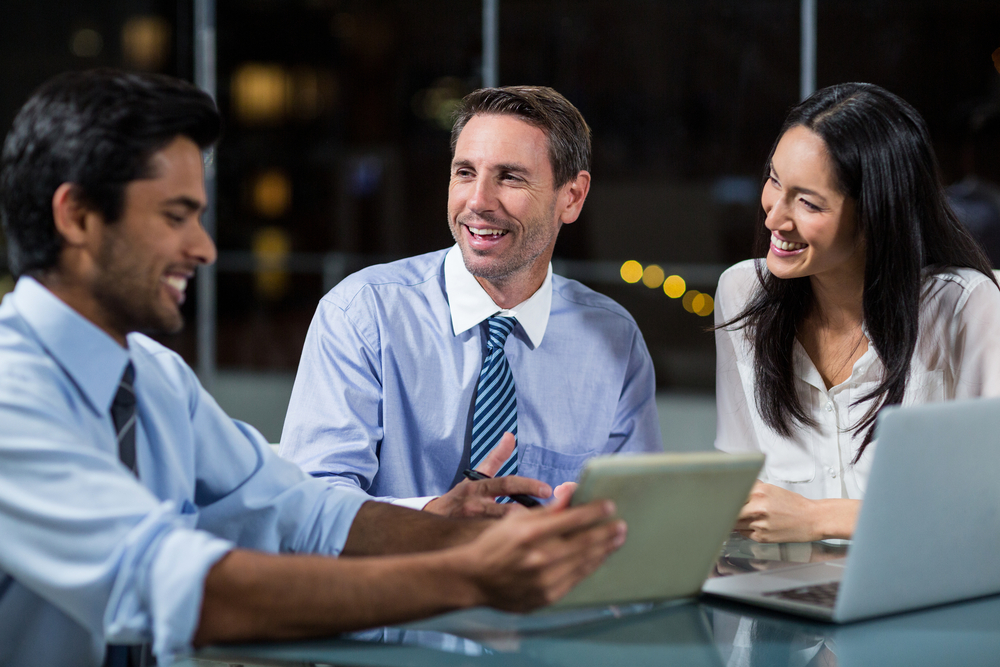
81 533
177 584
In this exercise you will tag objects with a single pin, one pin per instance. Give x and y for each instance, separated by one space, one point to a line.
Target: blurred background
336 146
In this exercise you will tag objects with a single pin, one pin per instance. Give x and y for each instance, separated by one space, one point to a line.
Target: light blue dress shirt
384 391
90 555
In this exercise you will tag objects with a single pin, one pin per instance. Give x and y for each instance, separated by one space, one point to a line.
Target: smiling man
133 511
412 371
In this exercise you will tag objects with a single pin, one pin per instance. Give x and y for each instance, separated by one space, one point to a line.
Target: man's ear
572 195
74 220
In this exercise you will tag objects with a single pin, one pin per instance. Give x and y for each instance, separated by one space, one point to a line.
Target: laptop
928 531
679 507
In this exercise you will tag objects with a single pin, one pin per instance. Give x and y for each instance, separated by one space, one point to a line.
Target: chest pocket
789 460
551 466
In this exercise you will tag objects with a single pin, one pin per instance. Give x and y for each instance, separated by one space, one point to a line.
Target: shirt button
829 406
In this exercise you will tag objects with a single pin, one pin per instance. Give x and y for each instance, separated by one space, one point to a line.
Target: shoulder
950 288
574 296
25 365
33 385
158 363
741 277
737 285
415 272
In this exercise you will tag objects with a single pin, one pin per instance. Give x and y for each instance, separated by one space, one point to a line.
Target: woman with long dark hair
871 294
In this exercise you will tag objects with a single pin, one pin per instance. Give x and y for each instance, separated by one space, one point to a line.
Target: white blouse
957 356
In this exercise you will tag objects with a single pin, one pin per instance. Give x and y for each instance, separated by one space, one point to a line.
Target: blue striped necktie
496 401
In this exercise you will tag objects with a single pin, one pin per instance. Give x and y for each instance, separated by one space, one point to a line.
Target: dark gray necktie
123 416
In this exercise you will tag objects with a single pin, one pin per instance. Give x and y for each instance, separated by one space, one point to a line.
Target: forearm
383 529
835 518
255 596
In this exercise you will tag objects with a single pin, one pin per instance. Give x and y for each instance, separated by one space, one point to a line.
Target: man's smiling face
502 203
146 258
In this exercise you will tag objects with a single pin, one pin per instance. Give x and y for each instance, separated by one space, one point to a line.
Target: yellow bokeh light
688 300
271 246
652 277
272 193
674 287
703 305
146 42
259 93
631 271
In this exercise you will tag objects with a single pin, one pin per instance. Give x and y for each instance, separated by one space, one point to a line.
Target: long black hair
882 159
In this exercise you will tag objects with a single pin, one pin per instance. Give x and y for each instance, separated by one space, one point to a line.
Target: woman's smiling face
812 224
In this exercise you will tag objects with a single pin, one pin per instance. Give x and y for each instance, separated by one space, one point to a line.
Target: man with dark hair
413 371
132 509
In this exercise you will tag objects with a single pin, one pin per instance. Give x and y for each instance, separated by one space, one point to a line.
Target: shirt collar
89 356
470 304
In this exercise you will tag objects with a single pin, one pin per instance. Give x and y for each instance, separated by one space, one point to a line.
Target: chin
782 272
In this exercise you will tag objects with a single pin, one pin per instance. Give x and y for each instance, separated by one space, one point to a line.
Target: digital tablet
679 507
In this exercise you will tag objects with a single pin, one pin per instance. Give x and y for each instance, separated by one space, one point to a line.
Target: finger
555 521
608 535
560 503
509 485
484 507
498 455
565 489
563 577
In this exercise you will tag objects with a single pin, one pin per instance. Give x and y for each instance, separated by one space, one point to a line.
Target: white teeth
179 283
487 232
785 245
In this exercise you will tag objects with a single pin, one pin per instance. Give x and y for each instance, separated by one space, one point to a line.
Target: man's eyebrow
509 167
513 167
186 202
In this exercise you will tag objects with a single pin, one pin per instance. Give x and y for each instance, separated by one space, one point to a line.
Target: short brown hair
567 131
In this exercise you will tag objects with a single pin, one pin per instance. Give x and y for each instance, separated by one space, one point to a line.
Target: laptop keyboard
822 595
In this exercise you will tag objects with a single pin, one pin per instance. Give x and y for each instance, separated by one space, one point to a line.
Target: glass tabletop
701 631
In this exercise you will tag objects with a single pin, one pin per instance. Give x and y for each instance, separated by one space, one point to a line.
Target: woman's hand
774 514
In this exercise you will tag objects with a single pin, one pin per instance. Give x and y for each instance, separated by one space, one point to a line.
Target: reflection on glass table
740 554
682 632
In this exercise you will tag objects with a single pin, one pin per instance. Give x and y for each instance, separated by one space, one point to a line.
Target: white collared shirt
470 304
957 356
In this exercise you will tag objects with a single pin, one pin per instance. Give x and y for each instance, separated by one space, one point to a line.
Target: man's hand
533 558
477 499
774 514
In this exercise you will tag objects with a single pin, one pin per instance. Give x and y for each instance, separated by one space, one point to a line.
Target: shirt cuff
413 503
178 586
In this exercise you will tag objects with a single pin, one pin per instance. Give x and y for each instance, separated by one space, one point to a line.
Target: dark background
337 130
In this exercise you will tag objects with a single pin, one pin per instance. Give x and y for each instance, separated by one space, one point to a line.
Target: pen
520 498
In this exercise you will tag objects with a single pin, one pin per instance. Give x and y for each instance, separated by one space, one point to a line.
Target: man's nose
201 247
483 195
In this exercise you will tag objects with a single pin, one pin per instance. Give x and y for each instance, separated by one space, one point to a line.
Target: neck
79 298
838 301
511 290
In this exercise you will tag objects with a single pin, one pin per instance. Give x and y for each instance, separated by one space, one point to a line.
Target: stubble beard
502 269
125 296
